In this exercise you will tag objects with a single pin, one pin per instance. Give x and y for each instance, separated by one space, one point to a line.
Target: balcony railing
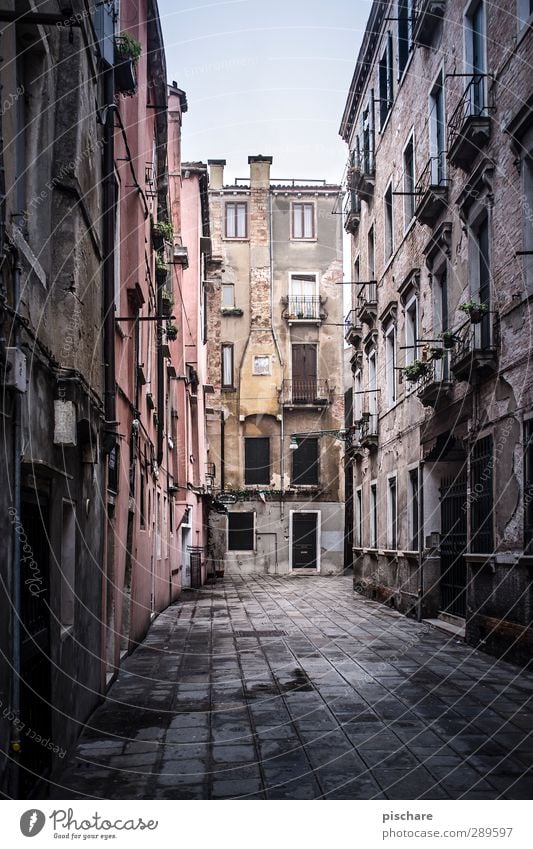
352 211
436 383
305 392
353 330
367 301
354 447
431 191
364 172
300 308
475 354
369 430
469 125
428 13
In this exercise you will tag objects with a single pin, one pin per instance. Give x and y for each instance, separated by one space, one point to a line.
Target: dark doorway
304 540
304 374
453 544
35 710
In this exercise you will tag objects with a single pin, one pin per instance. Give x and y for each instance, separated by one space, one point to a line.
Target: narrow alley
291 688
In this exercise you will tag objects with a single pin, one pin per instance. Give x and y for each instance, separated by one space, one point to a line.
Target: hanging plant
436 353
168 302
474 311
172 332
127 47
414 371
163 231
161 268
449 339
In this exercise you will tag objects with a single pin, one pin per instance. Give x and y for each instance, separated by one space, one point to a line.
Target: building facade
275 362
439 127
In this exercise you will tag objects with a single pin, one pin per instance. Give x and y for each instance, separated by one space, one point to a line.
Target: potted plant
449 339
474 310
161 269
436 353
167 303
162 231
127 53
414 371
172 332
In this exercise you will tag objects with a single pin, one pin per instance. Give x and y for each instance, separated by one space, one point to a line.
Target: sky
265 77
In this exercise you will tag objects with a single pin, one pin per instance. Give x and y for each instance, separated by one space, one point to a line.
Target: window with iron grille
305 463
528 487
241 527
481 497
257 460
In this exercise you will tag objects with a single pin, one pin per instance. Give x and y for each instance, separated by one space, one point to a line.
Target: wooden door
304 373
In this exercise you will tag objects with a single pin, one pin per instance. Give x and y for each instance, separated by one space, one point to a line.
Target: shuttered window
241 531
305 463
257 460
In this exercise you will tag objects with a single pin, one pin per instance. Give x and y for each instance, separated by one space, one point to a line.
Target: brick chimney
259 171
216 173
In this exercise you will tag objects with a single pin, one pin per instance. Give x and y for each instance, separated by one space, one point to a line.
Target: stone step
452 630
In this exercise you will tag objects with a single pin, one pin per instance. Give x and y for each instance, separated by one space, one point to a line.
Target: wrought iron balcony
474 357
428 15
470 124
353 328
435 385
354 446
364 172
352 211
431 191
305 392
369 430
303 309
367 302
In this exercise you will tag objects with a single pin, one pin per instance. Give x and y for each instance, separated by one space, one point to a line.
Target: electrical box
15 370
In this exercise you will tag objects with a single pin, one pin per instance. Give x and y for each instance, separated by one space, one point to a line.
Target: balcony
353 329
305 393
369 431
303 309
367 302
469 127
434 387
354 447
474 357
362 174
352 212
428 15
431 191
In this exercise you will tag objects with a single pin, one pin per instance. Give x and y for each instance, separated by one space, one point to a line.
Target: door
304 540
453 545
35 694
304 374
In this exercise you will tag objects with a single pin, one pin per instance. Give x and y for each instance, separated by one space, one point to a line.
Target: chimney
216 173
259 171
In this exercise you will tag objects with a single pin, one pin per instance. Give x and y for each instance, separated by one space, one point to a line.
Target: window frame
392 512
303 237
413 508
235 204
409 203
315 464
227 346
358 517
373 537
227 286
386 91
390 365
253 529
388 224
256 472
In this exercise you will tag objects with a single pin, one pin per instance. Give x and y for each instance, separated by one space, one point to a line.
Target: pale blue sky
265 76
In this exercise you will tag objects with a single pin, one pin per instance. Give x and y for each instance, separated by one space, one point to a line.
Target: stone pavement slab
277 688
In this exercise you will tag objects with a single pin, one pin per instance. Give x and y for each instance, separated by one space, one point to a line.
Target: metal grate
481 497
453 545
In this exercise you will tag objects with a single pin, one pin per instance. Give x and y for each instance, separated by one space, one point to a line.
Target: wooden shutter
241 531
257 460
305 463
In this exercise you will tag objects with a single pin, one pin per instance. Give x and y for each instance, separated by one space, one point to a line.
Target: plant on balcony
128 47
161 231
436 353
161 269
474 310
449 339
171 332
127 53
168 303
414 371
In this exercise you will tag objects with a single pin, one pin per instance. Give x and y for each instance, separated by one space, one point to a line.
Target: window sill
228 388
389 552
303 239
235 239
231 311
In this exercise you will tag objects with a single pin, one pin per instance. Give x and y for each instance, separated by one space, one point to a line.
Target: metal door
453 544
304 541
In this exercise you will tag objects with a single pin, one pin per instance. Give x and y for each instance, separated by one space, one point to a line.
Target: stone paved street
292 688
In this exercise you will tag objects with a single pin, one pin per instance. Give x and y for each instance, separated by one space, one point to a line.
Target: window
227 366
371 255
158 525
525 11
389 227
390 365
303 220
372 385
256 460
303 296
241 531
358 397
437 134
481 497
373 516
356 271
411 330
142 501
528 487
68 563
358 518
409 182
392 515
113 468
527 212
228 296
406 13
480 276
475 56
413 508
261 365
385 82
365 142
236 220
305 463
